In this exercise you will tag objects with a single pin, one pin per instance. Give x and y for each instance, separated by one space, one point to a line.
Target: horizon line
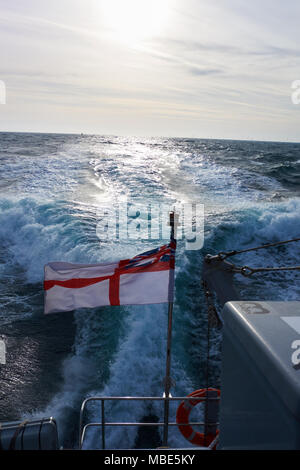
150 137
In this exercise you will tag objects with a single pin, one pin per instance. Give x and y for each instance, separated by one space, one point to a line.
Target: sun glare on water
134 20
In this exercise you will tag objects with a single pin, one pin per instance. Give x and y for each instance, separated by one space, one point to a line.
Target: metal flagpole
173 223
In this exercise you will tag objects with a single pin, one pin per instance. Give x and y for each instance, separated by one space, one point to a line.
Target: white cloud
215 68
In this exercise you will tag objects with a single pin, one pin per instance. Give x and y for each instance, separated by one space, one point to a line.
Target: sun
134 20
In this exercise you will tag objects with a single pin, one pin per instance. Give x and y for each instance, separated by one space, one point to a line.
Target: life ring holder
182 418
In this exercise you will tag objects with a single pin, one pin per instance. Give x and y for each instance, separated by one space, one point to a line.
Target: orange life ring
182 417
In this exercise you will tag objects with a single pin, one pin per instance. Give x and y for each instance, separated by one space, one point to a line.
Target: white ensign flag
147 278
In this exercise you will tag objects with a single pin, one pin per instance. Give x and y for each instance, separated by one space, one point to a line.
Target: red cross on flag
147 278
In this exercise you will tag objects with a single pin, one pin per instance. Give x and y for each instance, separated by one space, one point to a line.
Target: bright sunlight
134 20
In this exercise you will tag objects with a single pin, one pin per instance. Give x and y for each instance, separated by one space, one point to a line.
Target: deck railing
103 424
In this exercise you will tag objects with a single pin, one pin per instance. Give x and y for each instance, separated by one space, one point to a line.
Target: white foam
138 370
36 231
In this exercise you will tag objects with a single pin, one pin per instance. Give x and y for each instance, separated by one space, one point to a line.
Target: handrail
103 424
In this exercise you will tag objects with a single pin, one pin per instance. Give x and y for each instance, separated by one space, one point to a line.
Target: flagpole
169 340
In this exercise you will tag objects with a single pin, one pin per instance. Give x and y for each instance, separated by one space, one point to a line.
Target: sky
175 68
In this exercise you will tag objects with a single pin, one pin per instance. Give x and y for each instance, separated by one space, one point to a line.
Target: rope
222 255
213 321
207 296
40 430
247 271
22 435
213 317
19 429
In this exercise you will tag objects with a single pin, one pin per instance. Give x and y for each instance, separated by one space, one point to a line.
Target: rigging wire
222 255
247 271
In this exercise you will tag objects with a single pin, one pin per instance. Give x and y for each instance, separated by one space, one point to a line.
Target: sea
59 201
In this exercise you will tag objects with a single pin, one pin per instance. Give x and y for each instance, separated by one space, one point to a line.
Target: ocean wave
51 212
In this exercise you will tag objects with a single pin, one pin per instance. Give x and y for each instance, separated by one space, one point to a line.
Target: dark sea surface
54 190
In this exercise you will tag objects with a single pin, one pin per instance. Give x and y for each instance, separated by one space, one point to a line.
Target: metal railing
36 434
103 423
